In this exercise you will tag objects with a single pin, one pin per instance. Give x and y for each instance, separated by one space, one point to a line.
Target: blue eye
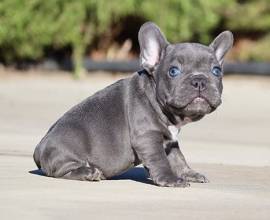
174 71
216 71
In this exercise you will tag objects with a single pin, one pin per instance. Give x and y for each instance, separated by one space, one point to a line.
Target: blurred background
72 35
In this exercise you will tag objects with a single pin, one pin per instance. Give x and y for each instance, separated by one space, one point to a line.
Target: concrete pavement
231 146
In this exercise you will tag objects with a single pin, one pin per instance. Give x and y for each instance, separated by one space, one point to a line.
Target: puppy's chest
174 131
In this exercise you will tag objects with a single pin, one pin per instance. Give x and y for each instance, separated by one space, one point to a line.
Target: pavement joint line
14 154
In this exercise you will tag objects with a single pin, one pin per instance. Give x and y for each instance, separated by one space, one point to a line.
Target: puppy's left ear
152 44
222 44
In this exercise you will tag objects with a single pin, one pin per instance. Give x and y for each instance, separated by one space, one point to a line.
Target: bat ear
222 44
152 43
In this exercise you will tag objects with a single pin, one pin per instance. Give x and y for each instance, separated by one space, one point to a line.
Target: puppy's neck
149 87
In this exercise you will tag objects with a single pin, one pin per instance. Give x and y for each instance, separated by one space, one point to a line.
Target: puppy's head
188 76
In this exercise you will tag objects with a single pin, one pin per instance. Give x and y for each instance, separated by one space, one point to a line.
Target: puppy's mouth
196 108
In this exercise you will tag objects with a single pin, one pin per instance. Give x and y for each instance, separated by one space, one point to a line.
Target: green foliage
251 18
250 15
184 20
27 26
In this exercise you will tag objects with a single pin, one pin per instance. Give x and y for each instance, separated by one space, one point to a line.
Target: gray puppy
136 120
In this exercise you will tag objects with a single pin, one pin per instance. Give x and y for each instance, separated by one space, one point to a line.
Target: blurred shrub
184 20
251 20
28 26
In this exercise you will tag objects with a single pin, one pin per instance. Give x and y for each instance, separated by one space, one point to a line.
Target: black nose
199 83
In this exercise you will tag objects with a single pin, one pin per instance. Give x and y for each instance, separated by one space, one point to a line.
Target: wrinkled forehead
190 53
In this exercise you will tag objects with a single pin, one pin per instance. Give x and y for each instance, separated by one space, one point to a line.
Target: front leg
150 150
179 165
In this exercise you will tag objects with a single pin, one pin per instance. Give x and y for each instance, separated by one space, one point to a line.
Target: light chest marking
174 131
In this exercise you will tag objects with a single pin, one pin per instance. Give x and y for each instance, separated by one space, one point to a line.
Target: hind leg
84 173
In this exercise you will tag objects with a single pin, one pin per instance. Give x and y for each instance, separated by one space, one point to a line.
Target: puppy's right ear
152 43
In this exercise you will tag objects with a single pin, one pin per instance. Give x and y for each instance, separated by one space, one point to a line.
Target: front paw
195 177
171 182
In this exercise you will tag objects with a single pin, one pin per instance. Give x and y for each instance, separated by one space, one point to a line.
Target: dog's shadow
38 172
137 174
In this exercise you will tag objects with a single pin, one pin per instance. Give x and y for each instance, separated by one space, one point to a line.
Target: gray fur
127 123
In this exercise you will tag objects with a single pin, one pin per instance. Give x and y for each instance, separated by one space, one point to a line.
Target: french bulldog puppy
136 120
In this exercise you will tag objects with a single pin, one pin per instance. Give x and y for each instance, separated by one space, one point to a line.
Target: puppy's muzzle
199 83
